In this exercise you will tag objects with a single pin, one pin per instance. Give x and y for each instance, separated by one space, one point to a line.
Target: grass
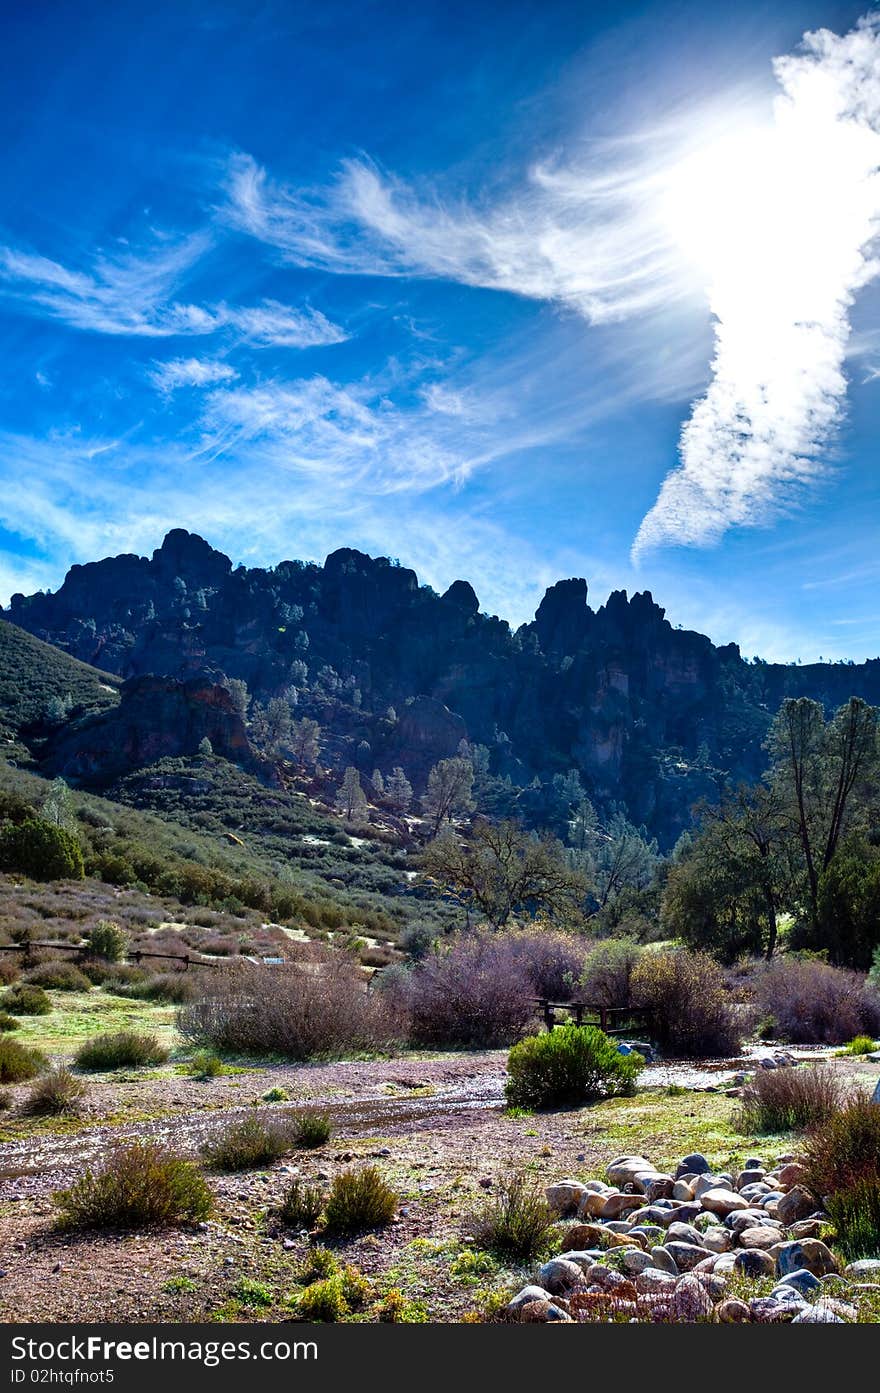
124 1049
781 1100
17 1062
861 1045
140 1186
59 1093
516 1222
248 1144
302 1206
359 1200
75 1016
312 1129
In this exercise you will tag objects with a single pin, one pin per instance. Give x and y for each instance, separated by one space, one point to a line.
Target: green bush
205 1065
58 976
124 1049
24 1000
8 1022
359 1200
108 941
248 1144
173 987
141 1186
312 1129
302 1205
789 1100
570 1065
18 1063
855 1213
844 1150
324 1301
318 1263
517 1223
251 1292
41 850
862 1044
692 1013
58 1093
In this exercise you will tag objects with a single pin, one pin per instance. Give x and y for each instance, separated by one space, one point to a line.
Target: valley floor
433 1124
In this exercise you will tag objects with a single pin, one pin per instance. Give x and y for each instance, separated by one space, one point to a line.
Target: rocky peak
563 616
189 556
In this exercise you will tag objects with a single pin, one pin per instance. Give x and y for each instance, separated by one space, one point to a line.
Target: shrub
205 1065
358 1200
24 1000
8 1022
115 978
517 1223
57 1093
862 1044
9 970
5 1099
108 941
473 994
58 976
855 1213
324 1301
302 1205
607 974
301 1011
311 1129
790 1099
844 1149
250 1292
248 1144
174 987
813 1003
17 1063
552 961
123 1049
568 1065
41 850
319 1262
140 1186
692 1013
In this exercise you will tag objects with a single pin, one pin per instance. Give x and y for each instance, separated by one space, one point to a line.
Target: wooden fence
84 955
613 1020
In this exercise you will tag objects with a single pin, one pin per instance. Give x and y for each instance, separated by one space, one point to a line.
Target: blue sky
511 292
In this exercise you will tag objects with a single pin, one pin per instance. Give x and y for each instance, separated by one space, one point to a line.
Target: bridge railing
613 1020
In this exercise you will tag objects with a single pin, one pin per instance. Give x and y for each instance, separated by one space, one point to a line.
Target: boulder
585 1258
818 1315
760 1237
624 1169
717 1240
522 1298
685 1255
541 1312
802 1281
690 1300
749 1177
724 1202
682 1190
789 1174
612 1206
754 1262
810 1253
798 1203
634 1260
559 1275
733 1311
695 1164
866 1269
655 1187
806 1228
664 1261
565 1197
683 1233
652 1279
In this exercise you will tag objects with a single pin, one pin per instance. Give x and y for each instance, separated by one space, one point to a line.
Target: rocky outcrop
156 717
645 712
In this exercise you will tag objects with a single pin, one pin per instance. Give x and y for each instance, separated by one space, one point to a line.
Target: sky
508 292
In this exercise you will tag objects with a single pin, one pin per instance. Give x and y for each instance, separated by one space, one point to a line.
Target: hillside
42 686
647 716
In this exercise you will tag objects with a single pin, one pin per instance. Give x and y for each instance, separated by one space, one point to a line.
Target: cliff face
645 712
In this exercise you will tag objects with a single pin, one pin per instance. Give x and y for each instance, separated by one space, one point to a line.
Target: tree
818 767
450 784
350 800
503 870
378 783
271 725
398 790
849 906
58 805
616 856
240 695
41 850
305 741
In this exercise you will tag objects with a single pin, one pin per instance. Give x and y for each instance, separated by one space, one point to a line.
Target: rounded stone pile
654 1246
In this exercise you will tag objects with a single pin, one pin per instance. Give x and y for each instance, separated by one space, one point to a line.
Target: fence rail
613 1020
84 955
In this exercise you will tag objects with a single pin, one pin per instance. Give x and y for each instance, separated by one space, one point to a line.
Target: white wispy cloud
586 237
189 372
126 293
274 325
786 231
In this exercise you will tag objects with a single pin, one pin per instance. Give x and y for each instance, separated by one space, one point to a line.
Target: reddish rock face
157 717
